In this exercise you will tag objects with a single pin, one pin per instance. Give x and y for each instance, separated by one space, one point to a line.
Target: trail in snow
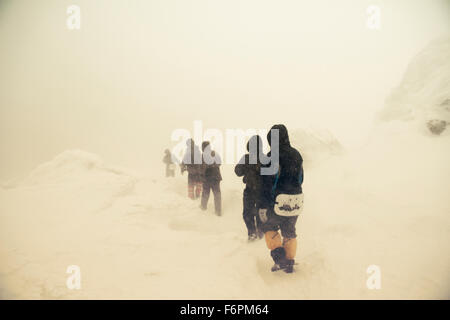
150 241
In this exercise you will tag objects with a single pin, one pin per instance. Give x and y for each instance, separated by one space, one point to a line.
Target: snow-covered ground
136 236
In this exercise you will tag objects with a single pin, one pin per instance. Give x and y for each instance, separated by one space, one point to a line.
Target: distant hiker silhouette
170 164
192 163
211 177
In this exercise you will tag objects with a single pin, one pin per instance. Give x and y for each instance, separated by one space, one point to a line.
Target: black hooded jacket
250 170
190 158
289 178
211 172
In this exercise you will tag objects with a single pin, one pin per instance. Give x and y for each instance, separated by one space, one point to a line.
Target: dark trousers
195 186
213 185
251 216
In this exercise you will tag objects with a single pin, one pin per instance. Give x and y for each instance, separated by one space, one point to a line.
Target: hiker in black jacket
192 163
211 178
281 199
249 168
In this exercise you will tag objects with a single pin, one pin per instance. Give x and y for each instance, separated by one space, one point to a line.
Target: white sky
137 70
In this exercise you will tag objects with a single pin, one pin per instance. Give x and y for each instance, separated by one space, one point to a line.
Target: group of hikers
203 168
272 201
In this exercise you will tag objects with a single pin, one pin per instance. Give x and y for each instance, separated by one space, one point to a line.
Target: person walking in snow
211 178
170 165
281 199
249 168
192 163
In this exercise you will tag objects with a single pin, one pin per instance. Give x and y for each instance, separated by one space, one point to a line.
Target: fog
85 116
137 70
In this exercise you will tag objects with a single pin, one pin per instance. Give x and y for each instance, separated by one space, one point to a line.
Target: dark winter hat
190 142
205 144
282 135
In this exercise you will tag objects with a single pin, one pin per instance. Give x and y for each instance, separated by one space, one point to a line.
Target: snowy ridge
70 165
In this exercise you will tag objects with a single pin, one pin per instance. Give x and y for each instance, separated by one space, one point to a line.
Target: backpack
287 205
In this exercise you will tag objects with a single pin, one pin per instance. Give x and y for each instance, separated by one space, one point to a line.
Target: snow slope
140 237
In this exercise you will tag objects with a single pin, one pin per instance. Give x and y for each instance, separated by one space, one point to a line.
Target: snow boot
289 268
260 234
279 257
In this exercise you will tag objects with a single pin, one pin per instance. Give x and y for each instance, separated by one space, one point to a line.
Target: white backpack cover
288 205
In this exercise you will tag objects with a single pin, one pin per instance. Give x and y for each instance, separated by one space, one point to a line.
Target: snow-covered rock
424 93
437 126
315 144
